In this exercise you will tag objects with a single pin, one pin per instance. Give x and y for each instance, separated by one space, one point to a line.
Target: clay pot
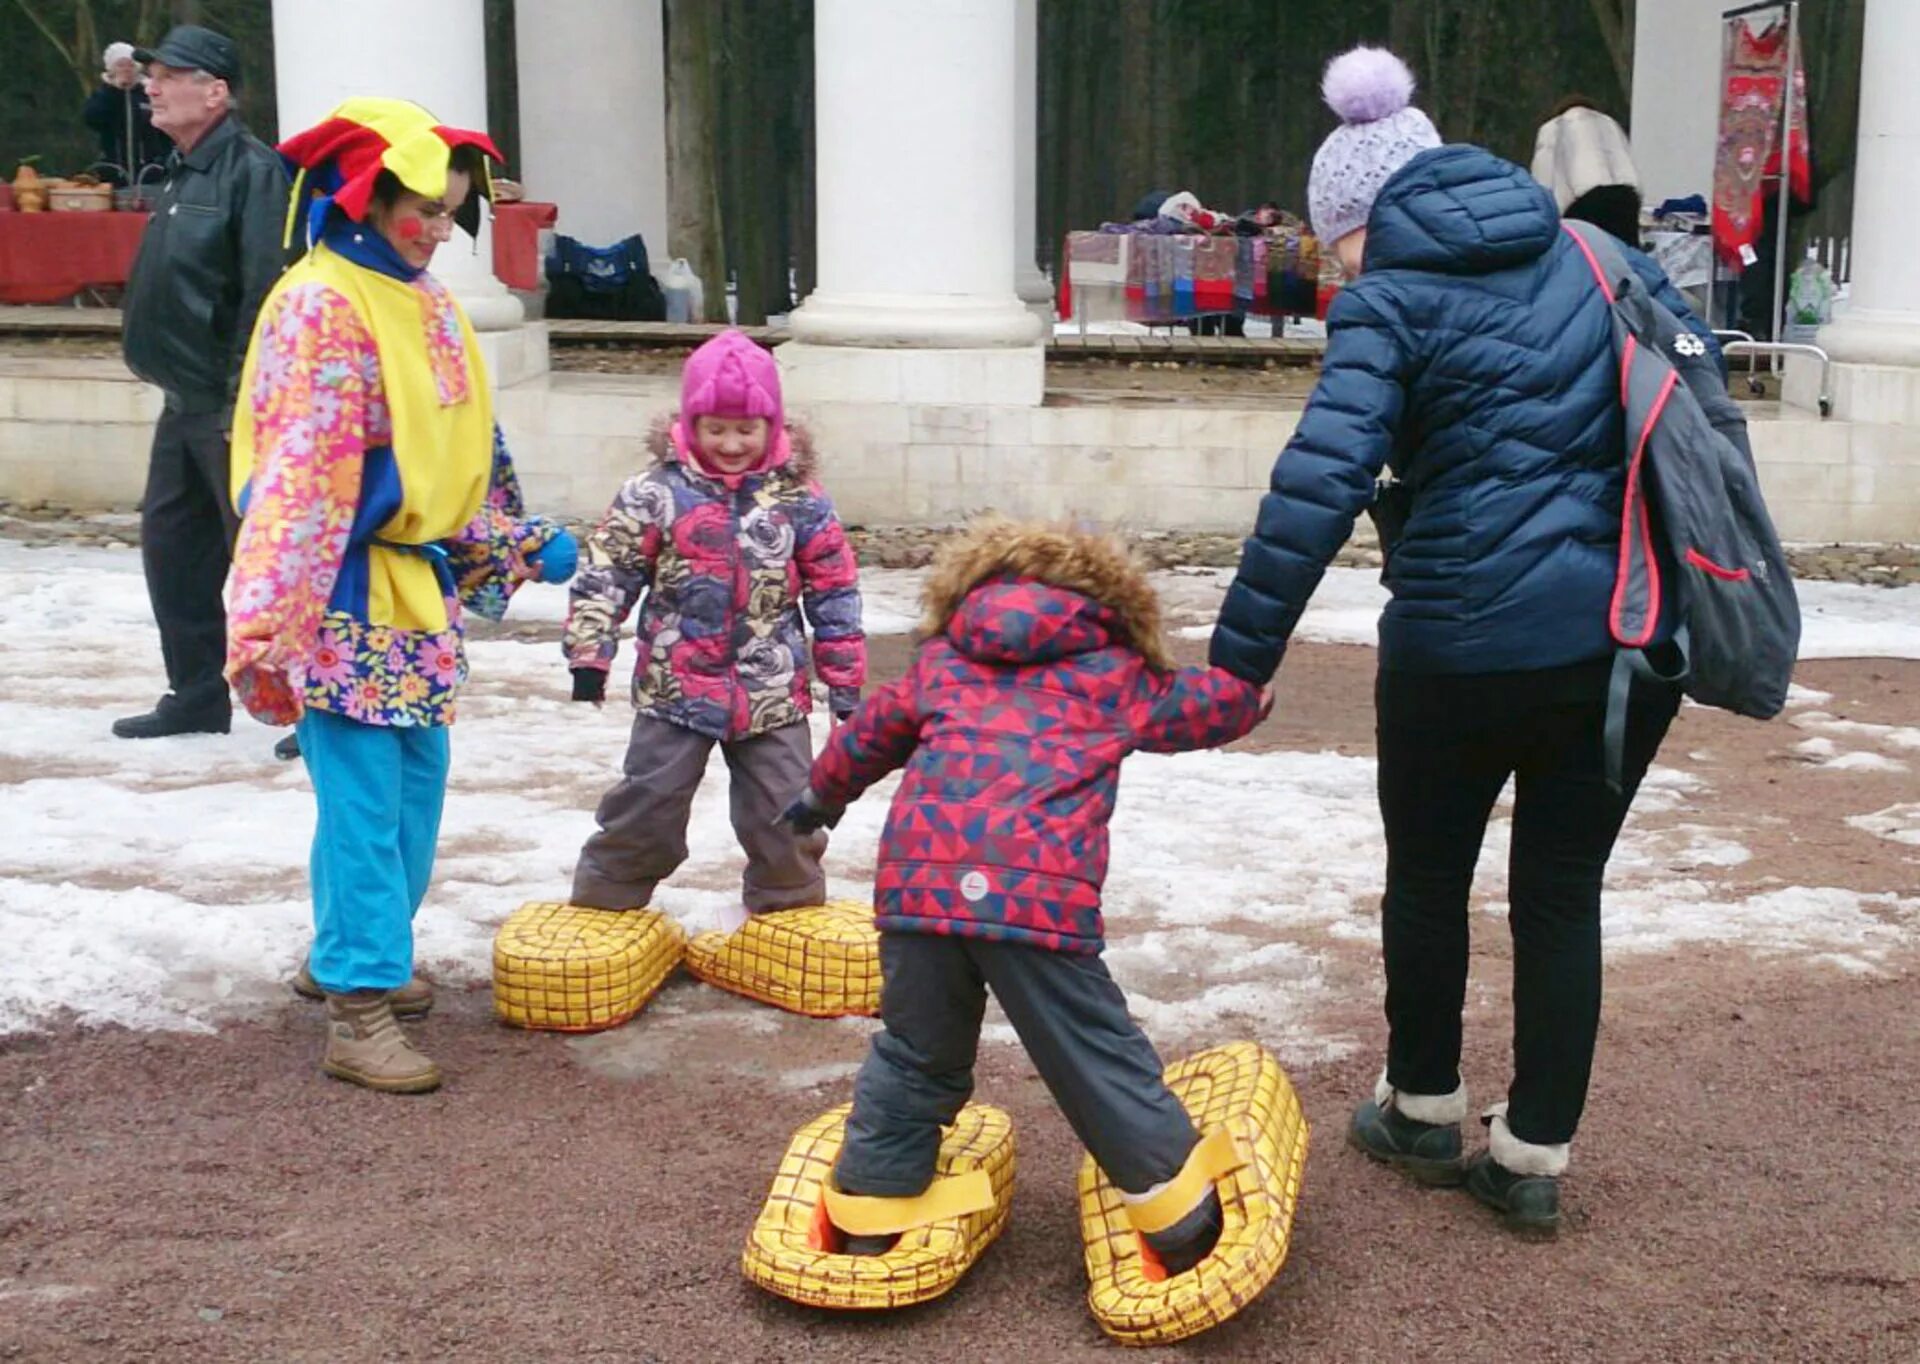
29 191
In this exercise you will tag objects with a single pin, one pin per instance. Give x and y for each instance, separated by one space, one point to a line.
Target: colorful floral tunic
307 598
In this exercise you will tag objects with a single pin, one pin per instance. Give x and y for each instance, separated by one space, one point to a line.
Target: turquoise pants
380 789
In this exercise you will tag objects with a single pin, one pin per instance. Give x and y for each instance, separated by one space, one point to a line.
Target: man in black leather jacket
210 253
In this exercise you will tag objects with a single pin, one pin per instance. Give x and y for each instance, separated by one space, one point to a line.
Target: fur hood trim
1096 565
803 463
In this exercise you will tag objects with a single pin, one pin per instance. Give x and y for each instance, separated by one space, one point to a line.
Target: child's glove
590 684
807 814
557 559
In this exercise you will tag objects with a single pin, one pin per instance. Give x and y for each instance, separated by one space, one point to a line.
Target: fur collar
1098 566
803 465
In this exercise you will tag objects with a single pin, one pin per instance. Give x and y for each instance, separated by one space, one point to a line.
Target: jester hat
342 156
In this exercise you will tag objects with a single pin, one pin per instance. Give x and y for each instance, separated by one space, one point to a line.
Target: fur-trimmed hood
801 462
994 553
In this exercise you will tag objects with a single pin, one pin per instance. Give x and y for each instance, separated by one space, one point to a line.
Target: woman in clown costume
378 498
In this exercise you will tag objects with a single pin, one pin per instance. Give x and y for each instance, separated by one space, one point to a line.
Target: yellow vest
442 452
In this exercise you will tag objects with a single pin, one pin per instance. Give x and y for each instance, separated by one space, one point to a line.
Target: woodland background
1216 96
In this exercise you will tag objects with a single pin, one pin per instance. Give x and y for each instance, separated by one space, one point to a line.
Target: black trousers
1447 745
1071 1018
187 530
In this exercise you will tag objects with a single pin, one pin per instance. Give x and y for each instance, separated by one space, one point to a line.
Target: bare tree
693 186
1616 20
80 47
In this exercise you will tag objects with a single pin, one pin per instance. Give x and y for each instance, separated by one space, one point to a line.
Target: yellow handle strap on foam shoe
1213 1158
949 1196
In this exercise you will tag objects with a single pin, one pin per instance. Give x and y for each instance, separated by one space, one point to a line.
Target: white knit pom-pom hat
1380 131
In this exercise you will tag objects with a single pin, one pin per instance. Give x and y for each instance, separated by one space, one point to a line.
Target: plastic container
80 198
686 298
1810 292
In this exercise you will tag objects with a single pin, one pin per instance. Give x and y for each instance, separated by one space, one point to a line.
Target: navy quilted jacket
1473 357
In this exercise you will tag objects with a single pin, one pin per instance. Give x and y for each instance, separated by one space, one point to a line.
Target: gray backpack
1691 483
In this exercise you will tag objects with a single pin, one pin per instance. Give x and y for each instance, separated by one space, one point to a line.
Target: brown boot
412 1000
366 1047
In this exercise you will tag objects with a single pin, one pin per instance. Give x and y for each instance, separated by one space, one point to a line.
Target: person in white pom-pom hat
1472 354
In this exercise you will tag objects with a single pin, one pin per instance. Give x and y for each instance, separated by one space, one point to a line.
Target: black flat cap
189 47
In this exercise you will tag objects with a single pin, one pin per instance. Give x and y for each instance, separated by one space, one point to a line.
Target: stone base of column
1855 476
1876 395
490 310
1036 291
987 376
515 355
1875 376
913 320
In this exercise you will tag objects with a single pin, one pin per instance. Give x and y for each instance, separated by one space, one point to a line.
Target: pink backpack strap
1593 261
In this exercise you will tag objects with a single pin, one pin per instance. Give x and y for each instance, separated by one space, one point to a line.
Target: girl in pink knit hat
732 551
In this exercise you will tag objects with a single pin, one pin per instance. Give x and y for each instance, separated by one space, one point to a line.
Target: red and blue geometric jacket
1042 667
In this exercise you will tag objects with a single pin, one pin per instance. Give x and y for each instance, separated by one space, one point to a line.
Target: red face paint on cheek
410 229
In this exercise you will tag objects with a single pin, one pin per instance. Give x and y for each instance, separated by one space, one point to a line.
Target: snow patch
1900 823
162 884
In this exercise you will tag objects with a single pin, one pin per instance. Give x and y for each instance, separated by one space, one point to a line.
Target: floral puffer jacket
726 572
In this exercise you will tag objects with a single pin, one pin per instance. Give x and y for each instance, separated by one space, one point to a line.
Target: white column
915 155
593 116
433 52
1033 287
1676 105
1882 323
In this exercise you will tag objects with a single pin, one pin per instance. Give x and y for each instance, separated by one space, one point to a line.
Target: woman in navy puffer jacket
1472 356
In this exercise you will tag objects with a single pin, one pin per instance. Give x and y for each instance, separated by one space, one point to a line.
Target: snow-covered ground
162 884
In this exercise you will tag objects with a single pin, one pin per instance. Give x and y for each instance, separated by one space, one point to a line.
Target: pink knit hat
730 376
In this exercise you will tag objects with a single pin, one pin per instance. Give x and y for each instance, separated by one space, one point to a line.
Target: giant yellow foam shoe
567 969
793 1248
822 961
1253 1148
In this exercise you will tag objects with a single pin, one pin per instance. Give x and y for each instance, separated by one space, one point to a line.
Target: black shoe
1529 1203
171 717
1427 1152
868 1245
1190 1240
288 748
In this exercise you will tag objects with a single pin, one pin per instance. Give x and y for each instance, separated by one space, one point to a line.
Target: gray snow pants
1071 1018
642 837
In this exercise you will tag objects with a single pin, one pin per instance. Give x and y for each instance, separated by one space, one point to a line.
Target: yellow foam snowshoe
794 1248
1253 1149
822 961
567 969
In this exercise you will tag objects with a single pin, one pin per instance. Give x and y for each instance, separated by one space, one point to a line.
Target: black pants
1447 745
187 529
1071 1018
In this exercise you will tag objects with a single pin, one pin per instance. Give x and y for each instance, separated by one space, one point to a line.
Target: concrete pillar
593 116
1035 290
433 52
1676 96
1882 323
915 190
1872 490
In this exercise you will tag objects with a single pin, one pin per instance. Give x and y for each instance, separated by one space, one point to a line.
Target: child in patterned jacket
730 539
1043 667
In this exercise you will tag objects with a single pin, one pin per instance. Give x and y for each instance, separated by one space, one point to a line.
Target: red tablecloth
516 241
48 257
